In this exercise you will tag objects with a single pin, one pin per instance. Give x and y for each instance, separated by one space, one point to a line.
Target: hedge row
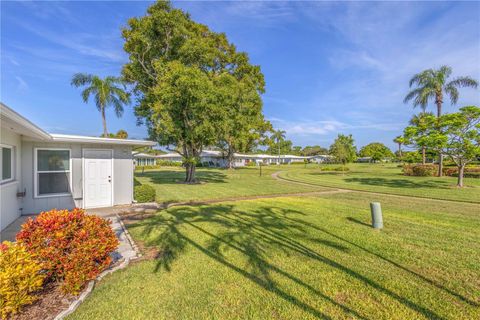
431 170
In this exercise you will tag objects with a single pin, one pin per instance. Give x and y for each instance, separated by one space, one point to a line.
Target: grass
217 184
300 258
387 178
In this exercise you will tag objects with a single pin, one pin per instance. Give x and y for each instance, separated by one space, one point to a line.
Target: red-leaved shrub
70 245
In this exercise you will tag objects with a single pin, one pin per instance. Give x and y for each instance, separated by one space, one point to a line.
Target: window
7 163
52 172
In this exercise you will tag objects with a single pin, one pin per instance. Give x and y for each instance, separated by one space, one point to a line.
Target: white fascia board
86 139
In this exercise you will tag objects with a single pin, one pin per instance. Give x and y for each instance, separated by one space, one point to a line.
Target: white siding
9 203
122 176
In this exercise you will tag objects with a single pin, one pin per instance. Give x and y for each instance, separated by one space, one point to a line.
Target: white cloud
328 127
107 47
22 86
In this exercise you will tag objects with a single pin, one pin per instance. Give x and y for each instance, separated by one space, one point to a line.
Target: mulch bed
51 301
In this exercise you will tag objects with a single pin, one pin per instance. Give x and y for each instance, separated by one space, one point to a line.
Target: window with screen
7 163
52 172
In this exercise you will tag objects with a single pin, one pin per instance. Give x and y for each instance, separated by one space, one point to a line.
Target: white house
214 158
322 158
144 159
41 171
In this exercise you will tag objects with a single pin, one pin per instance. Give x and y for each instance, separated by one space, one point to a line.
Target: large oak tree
193 88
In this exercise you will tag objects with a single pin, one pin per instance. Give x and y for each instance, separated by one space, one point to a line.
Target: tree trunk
190 169
104 121
461 169
440 164
439 101
278 152
230 157
423 156
400 150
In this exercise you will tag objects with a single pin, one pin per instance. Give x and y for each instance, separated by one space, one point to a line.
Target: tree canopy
456 135
433 84
313 151
376 150
344 149
194 89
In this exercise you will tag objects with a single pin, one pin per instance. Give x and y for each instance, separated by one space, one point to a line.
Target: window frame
36 173
12 163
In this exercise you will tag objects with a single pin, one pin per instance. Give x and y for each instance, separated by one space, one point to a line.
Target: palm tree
109 91
399 140
278 136
432 84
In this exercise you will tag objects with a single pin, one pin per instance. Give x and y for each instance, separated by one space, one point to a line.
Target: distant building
322 158
364 159
144 159
215 158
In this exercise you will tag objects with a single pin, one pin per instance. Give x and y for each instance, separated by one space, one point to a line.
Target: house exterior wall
122 190
9 203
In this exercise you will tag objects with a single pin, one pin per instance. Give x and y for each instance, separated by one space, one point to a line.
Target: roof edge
16 117
85 139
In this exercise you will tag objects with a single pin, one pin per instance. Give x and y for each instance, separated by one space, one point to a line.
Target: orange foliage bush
70 245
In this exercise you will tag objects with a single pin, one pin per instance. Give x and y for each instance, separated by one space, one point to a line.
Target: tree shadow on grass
400 183
257 234
175 177
431 282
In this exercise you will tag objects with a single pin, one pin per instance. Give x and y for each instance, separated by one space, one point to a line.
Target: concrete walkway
8 234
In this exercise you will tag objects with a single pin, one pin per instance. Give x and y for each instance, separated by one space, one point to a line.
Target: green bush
140 168
420 170
168 163
251 164
335 168
144 193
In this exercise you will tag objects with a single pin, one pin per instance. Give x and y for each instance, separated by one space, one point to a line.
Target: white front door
98 178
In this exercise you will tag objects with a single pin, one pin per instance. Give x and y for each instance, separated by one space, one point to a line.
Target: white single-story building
215 158
322 158
144 159
41 171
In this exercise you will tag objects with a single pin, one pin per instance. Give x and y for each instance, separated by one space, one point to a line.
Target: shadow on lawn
256 234
174 177
399 183
352 219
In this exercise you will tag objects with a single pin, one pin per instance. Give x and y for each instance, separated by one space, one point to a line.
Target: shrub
470 172
19 277
420 170
71 246
251 164
335 168
168 163
144 193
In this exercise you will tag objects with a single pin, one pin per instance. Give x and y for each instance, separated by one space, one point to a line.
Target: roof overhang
85 139
20 125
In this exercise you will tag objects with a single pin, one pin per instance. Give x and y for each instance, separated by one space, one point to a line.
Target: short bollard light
377 219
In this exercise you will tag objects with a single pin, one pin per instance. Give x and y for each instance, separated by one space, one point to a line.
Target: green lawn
387 178
300 258
218 184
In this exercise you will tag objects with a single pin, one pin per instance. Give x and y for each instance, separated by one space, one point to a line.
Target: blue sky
330 67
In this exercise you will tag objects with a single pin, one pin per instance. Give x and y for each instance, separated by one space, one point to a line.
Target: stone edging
91 284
